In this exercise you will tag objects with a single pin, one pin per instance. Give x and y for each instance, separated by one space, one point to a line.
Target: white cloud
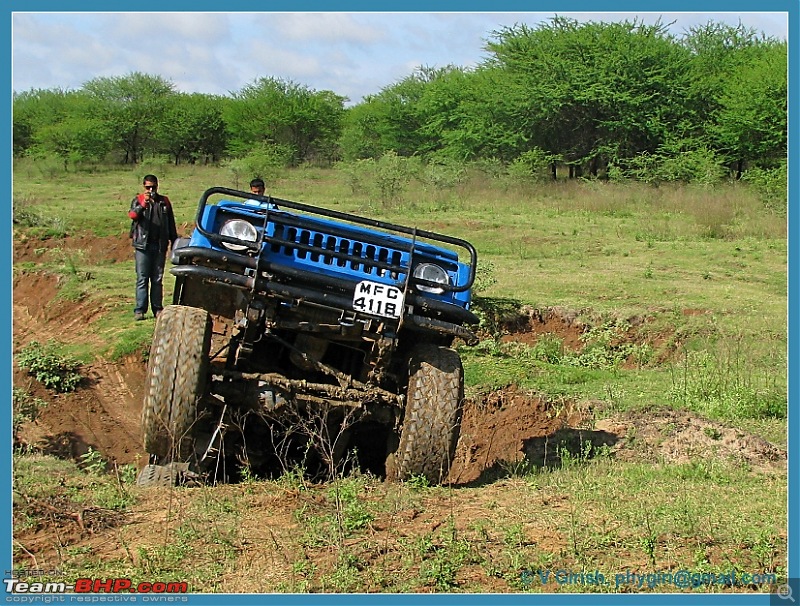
270 58
336 28
203 28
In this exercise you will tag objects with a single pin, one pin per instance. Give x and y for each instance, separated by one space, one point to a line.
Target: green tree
751 122
449 113
467 115
591 92
444 124
192 128
361 130
22 136
135 105
59 123
35 110
76 139
396 112
719 53
280 112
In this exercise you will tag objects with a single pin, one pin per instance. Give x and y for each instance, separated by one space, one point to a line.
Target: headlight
242 230
432 273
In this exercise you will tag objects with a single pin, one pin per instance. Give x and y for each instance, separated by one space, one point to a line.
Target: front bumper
296 284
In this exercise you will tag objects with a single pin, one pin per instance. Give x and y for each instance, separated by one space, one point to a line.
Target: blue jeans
149 274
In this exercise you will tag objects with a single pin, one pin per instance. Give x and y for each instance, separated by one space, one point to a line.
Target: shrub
25 408
771 185
49 367
492 168
264 162
701 166
720 385
494 313
392 175
443 174
549 348
358 174
93 462
604 347
25 215
385 178
532 166
484 277
674 163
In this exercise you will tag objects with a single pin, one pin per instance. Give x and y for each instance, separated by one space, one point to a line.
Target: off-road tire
432 418
177 374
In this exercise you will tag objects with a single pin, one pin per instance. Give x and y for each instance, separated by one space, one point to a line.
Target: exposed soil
501 429
110 249
103 413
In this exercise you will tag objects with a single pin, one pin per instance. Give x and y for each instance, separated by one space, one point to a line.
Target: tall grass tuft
723 382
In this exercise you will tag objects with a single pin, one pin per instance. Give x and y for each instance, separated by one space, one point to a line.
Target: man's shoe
138 316
156 313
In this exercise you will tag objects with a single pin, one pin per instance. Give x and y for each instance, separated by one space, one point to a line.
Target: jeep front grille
328 249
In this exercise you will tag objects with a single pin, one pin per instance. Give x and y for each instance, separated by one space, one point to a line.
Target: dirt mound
575 330
509 429
532 324
98 250
503 433
40 314
679 437
103 414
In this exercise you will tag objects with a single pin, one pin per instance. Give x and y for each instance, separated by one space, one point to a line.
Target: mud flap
171 474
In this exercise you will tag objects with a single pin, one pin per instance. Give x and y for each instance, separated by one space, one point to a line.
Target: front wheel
432 418
177 375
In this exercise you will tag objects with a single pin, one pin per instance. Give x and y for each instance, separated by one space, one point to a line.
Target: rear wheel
177 374
432 419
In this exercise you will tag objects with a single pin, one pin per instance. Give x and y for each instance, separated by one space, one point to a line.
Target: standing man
152 232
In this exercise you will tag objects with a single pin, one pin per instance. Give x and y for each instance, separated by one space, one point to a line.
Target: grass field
685 291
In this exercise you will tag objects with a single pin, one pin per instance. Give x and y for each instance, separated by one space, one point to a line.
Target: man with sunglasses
152 232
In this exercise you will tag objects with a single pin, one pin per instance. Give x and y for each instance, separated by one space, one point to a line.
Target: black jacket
152 223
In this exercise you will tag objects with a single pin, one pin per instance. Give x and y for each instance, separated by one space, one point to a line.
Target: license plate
378 299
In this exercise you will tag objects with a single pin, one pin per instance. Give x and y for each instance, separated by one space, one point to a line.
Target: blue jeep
293 321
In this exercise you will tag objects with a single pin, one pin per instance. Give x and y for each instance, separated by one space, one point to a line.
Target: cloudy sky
351 53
